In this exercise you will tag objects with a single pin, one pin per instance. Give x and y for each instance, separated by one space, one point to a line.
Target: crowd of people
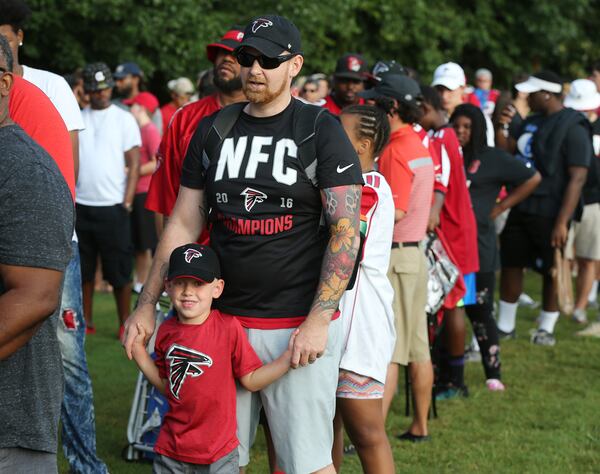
287 217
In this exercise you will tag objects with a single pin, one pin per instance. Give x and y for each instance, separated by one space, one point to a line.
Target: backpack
304 131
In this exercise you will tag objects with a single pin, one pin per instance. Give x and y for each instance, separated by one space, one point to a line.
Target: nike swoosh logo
341 170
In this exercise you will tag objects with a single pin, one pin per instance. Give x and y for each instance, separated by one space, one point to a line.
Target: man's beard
124 92
227 86
265 96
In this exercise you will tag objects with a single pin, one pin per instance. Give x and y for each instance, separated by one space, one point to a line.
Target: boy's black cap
271 35
396 86
194 261
351 66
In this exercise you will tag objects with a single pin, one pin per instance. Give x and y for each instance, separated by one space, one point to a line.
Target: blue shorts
471 293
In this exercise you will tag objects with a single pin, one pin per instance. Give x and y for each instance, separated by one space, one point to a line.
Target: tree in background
167 37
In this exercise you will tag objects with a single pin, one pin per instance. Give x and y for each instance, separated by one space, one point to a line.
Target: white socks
547 320
507 316
593 296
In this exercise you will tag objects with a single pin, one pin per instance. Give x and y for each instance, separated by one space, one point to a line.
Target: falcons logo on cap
191 254
184 362
354 63
252 197
261 23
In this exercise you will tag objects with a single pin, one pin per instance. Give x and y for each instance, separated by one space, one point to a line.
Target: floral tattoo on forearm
341 206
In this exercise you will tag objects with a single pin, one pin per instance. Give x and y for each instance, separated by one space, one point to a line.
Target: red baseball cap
230 40
145 99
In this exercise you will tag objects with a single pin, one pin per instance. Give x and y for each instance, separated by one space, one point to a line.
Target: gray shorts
299 407
27 461
228 464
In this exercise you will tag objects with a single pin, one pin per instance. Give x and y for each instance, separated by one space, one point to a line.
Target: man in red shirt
348 80
165 181
408 168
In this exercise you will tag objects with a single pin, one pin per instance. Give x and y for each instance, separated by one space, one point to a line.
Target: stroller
148 406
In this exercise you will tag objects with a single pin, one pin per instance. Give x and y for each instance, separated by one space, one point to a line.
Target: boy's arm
267 374
146 364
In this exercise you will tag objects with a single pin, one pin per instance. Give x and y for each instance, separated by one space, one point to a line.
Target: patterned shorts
353 385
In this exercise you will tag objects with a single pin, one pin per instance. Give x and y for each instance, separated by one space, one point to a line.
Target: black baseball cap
97 76
351 66
194 261
228 42
125 69
381 67
396 86
272 34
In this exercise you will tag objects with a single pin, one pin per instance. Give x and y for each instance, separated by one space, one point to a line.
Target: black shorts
143 229
526 242
105 231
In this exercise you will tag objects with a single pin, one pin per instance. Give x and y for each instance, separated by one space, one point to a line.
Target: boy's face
193 298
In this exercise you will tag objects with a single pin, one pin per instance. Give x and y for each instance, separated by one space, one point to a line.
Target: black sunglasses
247 60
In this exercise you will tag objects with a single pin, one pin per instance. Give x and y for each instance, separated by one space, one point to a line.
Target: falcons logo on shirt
191 254
261 23
184 362
252 197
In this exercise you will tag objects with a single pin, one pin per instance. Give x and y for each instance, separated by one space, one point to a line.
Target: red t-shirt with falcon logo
200 363
265 213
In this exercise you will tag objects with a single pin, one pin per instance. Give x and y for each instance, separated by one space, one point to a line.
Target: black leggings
484 326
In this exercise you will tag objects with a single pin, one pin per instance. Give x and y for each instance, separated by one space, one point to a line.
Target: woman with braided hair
366 308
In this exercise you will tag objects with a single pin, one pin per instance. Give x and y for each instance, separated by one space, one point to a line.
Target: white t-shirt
59 92
367 314
108 134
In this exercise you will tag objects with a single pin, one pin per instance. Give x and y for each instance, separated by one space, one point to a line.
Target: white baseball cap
181 86
583 95
541 81
449 75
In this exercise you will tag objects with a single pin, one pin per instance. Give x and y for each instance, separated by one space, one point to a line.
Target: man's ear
6 82
296 65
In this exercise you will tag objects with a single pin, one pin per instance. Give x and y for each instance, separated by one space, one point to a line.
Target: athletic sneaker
494 385
472 354
408 436
580 316
527 301
349 450
504 336
593 330
450 392
543 338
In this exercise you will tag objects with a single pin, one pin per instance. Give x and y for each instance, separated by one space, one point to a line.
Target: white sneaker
495 385
592 330
580 316
527 301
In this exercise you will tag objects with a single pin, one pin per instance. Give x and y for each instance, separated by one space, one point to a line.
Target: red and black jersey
331 105
265 213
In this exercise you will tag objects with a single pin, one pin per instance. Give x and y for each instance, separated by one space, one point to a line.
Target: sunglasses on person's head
247 60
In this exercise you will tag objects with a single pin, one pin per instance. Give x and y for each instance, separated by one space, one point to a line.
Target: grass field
548 420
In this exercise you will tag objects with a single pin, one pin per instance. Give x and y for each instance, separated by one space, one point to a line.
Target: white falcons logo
190 254
261 23
252 197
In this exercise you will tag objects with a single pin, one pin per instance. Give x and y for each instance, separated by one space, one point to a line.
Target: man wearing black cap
349 78
165 181
105 191
557 142
408 168
285 273
129 82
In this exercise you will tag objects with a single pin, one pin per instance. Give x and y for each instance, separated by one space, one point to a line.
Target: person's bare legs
511 284
455 328
337 452
87 290
143 261
421 376
123 300
585 279
549 294
391 385
365 425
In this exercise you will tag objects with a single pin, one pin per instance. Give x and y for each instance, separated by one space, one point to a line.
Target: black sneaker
349 450
543 338
504 336
408 436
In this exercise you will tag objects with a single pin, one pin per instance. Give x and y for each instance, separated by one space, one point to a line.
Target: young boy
199 354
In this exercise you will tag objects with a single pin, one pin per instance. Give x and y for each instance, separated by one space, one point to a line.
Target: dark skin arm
341 206
578 175
32 295
503 140
517 195
132 160
436 208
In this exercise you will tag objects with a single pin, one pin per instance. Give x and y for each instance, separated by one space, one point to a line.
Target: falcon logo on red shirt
261 23
184 362
191 254
252 197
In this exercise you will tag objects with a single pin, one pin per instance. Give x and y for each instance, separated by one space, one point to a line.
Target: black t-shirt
486 174
591 191
265 213
574 150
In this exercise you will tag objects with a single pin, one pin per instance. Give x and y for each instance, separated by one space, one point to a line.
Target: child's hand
138 342
287 355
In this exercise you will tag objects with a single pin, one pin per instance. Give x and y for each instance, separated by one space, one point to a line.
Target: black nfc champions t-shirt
266 214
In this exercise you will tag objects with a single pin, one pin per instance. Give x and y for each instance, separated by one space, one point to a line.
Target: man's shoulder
41 77
198 110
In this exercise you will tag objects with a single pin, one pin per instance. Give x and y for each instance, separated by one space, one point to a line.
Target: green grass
547 421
